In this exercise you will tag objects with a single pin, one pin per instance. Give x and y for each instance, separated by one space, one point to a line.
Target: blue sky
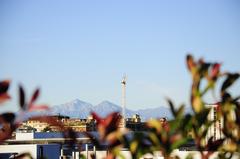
81 49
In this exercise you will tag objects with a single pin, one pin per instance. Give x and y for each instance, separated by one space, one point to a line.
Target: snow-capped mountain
81 109
74 109
106 107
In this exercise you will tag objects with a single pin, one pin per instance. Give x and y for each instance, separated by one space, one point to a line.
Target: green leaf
174 125
180 111
179 143
197 103
133 146
186 123
170 103
155 124
82 156
226 97
201 117
154 138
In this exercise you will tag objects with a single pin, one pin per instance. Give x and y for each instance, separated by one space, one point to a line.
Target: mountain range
81 109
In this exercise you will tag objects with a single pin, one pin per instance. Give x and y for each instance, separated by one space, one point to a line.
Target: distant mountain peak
77 101
106 102
81 109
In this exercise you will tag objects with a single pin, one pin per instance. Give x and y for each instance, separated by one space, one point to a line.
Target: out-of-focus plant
6 119
9 122
110 135
209 73
162 135
4 96
230 112
30 106
166 136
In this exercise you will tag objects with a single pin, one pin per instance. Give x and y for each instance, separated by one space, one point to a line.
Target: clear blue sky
81 49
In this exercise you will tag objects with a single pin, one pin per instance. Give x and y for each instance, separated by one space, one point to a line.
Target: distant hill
81 109
74 109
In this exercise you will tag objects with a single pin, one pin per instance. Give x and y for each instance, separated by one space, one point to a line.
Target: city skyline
82 49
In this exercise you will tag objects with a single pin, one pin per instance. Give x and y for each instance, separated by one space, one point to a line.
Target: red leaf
96 117
22 97
110 156
7 118
4 97
4 135
112 120
215 70
7 126
190 62
35 96
4 85
107 125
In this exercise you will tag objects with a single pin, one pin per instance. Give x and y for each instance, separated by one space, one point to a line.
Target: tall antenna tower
124 80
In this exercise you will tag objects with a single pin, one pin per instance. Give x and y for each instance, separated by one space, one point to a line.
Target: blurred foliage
162 135
167 136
